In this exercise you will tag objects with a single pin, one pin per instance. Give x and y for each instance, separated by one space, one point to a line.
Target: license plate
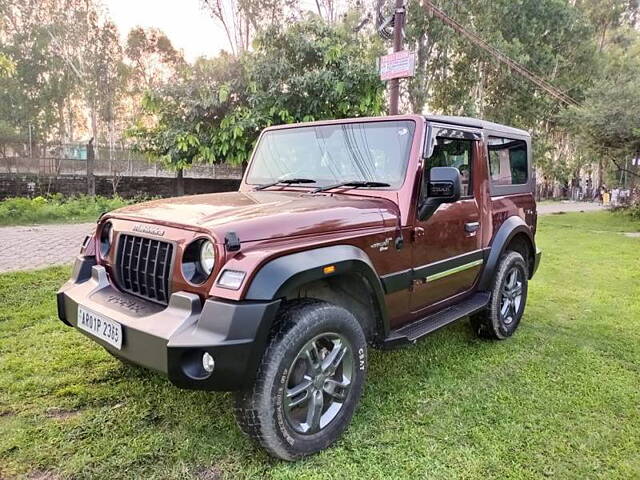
101 327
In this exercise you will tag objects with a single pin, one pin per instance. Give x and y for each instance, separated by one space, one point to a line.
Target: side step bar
412 332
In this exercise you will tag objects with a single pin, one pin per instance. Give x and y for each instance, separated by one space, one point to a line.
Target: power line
501 57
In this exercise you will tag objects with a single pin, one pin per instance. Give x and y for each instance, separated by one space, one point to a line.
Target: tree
214 113
242 19
153 58
608 121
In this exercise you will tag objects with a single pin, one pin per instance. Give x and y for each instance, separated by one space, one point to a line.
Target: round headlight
106 238
207 257
198 260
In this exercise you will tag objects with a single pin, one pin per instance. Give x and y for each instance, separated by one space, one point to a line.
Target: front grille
143 267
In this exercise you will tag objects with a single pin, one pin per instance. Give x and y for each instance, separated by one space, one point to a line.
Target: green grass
56 209
561 399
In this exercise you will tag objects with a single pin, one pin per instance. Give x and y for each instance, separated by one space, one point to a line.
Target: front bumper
172 339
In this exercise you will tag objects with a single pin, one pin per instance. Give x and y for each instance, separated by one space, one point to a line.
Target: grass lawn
560 399
56 209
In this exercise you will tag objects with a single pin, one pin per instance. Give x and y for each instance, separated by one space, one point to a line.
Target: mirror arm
427 208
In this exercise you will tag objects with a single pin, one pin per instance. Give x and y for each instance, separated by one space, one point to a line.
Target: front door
447 255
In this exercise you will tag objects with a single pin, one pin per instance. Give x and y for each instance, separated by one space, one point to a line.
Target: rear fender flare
288 272
510 228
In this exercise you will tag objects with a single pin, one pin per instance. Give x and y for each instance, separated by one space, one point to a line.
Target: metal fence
71 159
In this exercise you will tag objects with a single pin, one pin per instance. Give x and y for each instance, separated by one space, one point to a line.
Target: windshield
328 154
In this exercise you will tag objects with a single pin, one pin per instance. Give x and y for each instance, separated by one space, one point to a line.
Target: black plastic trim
447 264
394 282
286 273
536 263
510 228
61 311
234 333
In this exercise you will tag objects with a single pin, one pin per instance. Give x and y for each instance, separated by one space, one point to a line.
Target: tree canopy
309 71
66 74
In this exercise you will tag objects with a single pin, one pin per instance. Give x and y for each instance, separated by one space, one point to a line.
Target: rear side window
508 161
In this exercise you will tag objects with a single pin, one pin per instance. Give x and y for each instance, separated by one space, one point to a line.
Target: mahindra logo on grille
149 230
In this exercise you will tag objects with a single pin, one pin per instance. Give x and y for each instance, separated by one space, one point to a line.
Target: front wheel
309 383
508 297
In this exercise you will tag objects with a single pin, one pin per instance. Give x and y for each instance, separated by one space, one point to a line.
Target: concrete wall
15 185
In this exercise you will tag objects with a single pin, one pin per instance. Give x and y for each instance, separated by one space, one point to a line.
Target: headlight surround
198 260
106 238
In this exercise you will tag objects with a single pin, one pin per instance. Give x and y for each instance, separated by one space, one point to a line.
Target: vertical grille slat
144 267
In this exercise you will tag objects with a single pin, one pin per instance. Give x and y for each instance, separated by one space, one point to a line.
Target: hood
264 214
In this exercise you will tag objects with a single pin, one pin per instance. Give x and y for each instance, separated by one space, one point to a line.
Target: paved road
567 206
33 247
39 246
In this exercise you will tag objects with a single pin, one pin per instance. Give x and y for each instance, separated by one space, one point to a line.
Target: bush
57 208
632 210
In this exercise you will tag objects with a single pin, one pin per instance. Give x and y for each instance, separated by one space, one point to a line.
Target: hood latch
231 242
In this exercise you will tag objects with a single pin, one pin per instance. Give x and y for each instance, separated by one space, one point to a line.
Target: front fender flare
285 273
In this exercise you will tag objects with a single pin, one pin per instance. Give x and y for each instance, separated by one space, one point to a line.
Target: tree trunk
91 153
91 183
180 183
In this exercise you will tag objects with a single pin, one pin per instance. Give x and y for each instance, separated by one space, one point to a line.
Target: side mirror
443 186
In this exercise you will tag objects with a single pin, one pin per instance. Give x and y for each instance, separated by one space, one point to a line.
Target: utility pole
398 34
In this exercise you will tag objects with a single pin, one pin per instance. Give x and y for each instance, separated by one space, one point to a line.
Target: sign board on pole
397 65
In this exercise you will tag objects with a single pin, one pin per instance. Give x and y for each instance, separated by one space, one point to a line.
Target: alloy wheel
511 296
318 383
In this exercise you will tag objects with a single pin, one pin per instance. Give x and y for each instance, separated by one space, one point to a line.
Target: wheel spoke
516 303
314 413
313 357
334 359
504 310
293 395
513 278
337 390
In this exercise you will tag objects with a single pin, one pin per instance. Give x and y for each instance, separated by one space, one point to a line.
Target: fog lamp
208 363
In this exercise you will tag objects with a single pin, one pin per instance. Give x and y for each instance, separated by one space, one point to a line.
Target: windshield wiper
287 181
351 183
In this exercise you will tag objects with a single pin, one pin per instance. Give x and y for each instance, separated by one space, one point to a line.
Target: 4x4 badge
384 245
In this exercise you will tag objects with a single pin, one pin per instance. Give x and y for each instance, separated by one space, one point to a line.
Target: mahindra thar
344 235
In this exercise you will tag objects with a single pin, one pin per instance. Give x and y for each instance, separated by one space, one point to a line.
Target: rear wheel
508 298
309 383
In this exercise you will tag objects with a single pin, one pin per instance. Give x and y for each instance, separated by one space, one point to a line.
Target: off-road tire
489 322
259 410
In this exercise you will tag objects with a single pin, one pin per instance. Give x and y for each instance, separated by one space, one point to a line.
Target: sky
187 26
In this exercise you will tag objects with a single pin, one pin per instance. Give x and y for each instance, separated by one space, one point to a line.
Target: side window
508 162
455 152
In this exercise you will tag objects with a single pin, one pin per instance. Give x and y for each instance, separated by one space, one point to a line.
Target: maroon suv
344 234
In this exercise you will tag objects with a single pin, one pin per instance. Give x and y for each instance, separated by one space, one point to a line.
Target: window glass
508 164
454 152
369 151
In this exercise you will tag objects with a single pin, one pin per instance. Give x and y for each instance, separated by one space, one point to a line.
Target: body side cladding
511 227
402 280
288 272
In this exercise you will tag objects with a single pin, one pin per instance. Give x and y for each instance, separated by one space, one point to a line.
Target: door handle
471 227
